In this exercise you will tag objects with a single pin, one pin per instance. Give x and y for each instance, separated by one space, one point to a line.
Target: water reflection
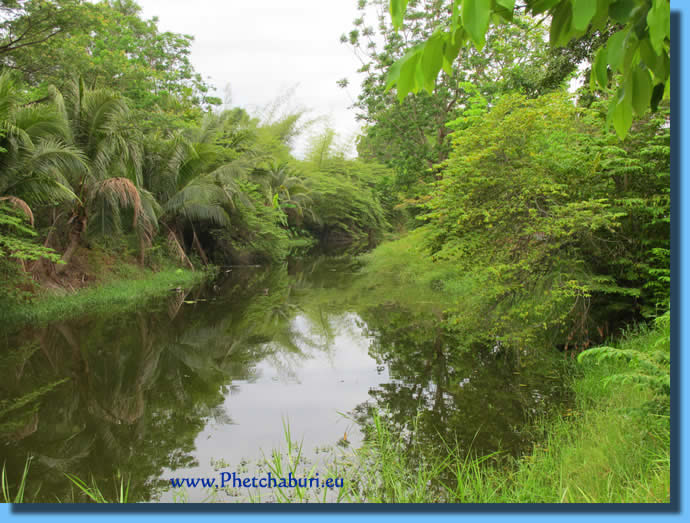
212 374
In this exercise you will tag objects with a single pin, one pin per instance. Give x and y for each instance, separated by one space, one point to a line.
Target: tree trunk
78 227
199 248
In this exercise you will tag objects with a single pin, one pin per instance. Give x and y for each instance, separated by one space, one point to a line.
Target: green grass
18 497
613 447
134 289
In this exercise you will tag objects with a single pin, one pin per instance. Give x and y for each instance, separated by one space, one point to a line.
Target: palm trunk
78 227
199 248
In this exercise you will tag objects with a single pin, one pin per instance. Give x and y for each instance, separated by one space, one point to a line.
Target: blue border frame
680 18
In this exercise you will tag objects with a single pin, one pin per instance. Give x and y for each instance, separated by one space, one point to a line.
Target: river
206 380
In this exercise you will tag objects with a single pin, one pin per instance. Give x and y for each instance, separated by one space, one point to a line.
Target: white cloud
261 49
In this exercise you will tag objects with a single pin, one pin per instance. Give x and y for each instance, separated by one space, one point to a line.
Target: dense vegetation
534 224
115 145
527 208
529 224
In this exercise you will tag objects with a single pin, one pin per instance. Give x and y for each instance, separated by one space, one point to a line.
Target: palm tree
193 183
101 126
284 189
35 158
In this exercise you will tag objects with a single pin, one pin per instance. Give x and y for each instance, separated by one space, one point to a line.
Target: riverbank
613 446
117 286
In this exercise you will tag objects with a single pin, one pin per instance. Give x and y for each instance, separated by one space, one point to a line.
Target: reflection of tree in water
476 398
141 386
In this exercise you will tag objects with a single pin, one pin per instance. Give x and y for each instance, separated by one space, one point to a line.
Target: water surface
205 380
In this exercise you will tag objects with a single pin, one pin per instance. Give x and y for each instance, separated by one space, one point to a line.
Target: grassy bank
131 286
613 447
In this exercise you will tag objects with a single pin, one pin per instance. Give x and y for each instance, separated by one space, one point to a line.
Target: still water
207 379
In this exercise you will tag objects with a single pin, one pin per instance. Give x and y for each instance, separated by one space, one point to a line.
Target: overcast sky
263 48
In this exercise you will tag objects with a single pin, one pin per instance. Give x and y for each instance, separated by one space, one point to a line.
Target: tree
28 24
284 189
410 134
538 200
101 126
111 46
639 51
35 155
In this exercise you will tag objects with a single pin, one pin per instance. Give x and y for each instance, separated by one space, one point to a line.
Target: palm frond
122 191
21 205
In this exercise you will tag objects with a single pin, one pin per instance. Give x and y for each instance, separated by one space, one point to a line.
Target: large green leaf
657 95
393 74
641 90
475 19
406 82
504 9
455 16
541 6
397 10
621 10
599 70
395 70
659 22
583 12
621 115
561 21
616 49
451 49
432 59
649 57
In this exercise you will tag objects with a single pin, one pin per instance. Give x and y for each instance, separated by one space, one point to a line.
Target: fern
647 368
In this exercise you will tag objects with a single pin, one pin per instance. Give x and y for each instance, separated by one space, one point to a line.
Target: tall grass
613 447
94 494
21 487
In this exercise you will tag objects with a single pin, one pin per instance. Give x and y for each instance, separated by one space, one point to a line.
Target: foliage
16 248
639 51
108 43
29 24
258 232
35 156
648 366
410 135
344 204
638 175
15 237
527 205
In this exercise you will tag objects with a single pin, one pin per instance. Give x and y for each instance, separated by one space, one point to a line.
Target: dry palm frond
124 192
175 303
20 204
148 224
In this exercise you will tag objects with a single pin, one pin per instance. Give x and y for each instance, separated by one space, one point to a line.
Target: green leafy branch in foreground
640 51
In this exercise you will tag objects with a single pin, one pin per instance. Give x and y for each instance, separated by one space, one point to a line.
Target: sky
261 49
